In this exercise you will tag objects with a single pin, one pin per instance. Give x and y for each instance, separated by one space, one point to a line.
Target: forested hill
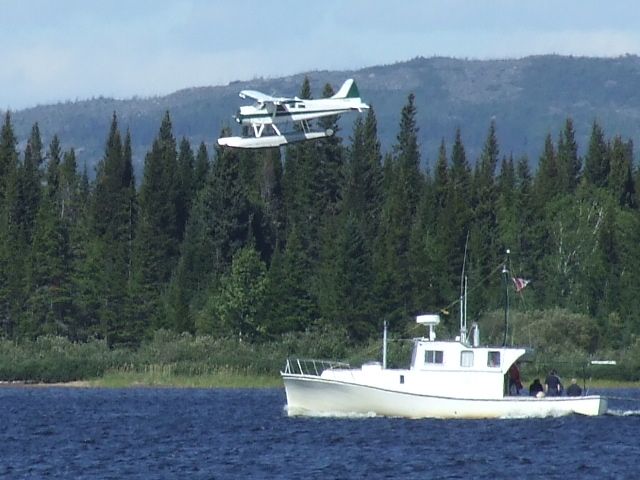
331 236
528 98
335 235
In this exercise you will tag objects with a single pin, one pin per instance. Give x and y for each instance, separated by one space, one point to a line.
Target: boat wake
301 412
545 414
623 413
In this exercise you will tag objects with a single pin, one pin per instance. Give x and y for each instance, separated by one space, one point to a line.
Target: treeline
333 234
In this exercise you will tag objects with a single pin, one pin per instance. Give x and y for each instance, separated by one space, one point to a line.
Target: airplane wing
264 98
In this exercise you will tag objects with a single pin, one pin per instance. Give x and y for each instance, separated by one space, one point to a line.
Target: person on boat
574 389
535 387
515 385
552 385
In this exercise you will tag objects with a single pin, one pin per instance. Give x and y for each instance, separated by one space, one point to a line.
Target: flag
520 283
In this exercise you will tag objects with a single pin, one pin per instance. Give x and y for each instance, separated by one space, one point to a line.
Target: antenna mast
505 274
463 294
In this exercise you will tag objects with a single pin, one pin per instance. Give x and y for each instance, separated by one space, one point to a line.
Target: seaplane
267 112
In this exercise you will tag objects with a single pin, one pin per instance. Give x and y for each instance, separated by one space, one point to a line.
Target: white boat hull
315 396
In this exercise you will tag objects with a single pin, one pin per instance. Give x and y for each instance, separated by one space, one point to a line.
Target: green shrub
552 331
560 339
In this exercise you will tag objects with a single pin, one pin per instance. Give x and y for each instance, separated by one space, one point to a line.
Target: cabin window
466 358
401 378
281 109
493 359
433 356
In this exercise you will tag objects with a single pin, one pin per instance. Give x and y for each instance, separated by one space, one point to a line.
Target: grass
606 383
163 376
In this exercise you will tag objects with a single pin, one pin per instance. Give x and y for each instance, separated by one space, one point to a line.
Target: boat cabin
457 365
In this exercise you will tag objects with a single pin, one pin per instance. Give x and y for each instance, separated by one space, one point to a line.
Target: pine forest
327 238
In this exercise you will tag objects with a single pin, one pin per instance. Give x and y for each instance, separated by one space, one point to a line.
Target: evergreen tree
278 305
407 154
49 273
331 165
304 203
12 244
363 178
298 174
227 195
524 251
507 214
484 247
196 269
108 267
69 187
129 202
30 185
157 236
8 154
52 175
569 164
430 237
22 202
187 289
547 183
185 185
606 295
220 224
201 169
596 164
345 293
290 305
621 183
460 212
405 188
441 179
75 215
270 184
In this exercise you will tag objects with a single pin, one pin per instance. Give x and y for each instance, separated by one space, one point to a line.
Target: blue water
218 434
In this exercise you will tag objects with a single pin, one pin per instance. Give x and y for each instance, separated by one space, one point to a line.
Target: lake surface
217 434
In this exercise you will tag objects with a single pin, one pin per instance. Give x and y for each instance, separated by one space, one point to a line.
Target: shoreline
128 381
23 383
154 380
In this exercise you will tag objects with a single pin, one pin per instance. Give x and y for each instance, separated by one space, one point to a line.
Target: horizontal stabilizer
270 141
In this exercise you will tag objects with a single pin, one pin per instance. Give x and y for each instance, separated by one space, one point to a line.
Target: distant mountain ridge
528 98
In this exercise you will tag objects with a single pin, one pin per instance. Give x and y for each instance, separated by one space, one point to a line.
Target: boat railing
308 366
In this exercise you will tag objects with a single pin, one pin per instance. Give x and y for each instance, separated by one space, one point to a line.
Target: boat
456 378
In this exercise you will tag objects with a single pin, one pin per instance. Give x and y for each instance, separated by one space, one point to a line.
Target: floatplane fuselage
267 112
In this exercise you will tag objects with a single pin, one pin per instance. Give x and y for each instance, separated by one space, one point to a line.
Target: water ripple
180 433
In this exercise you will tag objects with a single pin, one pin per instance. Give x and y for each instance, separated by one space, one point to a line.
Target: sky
67 50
